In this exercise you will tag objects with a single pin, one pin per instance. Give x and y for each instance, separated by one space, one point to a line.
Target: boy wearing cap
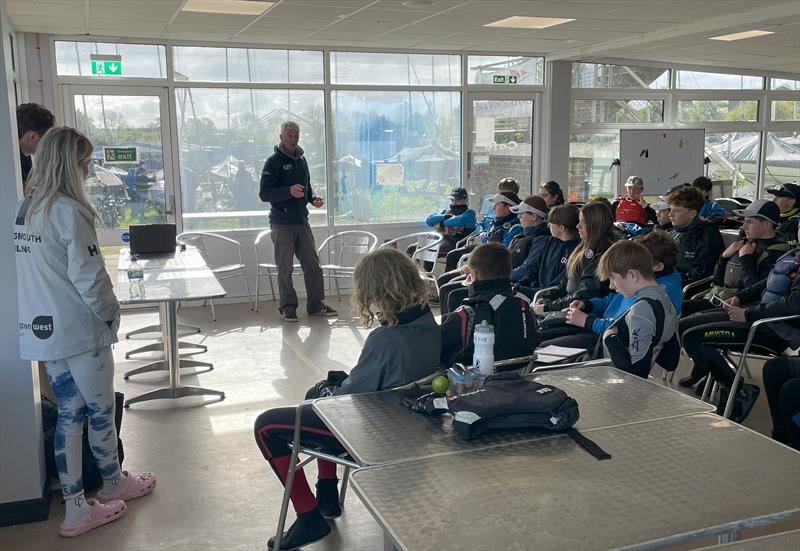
787 197
699 243
711 211
728 327
632 207
455 223
503 228
532 213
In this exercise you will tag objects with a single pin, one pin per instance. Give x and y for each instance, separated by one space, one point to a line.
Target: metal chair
263 269
345 249
224 271
428 245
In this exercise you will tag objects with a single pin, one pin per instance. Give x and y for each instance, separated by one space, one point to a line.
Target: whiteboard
663 158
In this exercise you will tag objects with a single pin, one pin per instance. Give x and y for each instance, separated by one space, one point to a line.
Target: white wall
22 471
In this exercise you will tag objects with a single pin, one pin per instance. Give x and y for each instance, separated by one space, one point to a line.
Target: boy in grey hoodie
651 320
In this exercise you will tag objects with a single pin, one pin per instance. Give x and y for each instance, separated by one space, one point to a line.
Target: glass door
130 177
499 143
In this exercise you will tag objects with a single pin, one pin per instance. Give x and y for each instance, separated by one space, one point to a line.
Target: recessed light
236 7
524 22
740 36
418 4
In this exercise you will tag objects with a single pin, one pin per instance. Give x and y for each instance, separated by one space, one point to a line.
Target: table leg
728 537
161 365
169 323
157 346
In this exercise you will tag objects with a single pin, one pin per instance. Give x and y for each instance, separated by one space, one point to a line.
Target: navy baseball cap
459 193
786 190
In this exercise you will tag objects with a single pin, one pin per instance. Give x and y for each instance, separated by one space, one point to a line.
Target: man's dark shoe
308 528
690 381
288 314
328 498
325 311
745 400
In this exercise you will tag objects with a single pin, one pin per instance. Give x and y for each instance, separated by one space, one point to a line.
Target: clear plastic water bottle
136 278
483 356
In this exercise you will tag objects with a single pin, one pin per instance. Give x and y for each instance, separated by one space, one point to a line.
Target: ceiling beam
709 25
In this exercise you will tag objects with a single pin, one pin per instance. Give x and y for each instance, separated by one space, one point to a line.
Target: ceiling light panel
525 22
740 36
235 7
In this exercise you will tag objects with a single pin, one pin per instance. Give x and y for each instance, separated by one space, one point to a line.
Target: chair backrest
262 236
427 248
486 204
343 249
202 239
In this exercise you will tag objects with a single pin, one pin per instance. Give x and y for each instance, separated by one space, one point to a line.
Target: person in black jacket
286 185
787 197
33 122
386 287
782 387
548 268
728 327
746 261
699 243
597 233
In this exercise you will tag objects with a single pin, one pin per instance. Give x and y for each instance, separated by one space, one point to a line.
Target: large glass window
396 154
226 135
696 80
621 111
590 159
784 84
247 65
596 75
138 60
783 158
395 69
785 110
505 70
718 111
734 161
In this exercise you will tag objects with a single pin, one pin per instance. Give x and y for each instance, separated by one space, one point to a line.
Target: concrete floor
215 491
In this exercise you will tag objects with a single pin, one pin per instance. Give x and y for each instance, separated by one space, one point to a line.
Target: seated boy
492 299
651 319
632 206
699 243
455 223
711 211
596 315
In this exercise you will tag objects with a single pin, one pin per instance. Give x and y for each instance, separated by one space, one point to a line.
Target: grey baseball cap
761 208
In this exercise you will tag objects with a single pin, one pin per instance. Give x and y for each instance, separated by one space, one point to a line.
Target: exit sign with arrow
106 65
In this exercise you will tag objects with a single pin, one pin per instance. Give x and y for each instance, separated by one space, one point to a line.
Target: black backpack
507 401
91 475
515 331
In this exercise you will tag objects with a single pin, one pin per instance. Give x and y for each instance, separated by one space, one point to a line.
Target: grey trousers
292 240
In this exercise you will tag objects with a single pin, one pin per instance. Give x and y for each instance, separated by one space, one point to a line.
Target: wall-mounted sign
389 174
120 154
504 79
106 64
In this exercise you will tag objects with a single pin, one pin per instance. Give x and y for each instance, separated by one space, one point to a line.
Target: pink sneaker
102 513
137 485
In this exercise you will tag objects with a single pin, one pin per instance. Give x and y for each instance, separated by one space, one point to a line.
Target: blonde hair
386 282
58 172
600 228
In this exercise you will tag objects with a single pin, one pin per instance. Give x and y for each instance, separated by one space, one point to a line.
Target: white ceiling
670 31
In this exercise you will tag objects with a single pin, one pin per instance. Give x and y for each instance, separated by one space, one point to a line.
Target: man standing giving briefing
286 185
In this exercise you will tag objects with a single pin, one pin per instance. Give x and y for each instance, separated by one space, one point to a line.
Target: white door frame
467 125
118 236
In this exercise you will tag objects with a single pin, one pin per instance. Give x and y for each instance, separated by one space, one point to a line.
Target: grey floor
215 491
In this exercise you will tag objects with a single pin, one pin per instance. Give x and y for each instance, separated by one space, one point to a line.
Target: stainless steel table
784 541
377 428
183 275
549 494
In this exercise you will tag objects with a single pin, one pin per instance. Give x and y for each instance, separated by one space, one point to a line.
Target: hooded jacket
66 301
699 247
631 349
280 172
550 268
526 248
788 225
738 272
395 355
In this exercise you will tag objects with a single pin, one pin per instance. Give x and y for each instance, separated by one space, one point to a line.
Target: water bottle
483 356
136 278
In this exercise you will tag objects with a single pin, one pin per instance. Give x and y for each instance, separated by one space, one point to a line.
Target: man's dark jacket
281 171
699 248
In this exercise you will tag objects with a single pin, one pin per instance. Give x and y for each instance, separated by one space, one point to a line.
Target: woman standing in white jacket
68 318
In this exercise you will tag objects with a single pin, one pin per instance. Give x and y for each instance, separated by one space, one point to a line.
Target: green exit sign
504 79
106 64
120 154
100 67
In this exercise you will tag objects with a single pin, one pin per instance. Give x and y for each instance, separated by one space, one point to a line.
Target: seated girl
406 347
